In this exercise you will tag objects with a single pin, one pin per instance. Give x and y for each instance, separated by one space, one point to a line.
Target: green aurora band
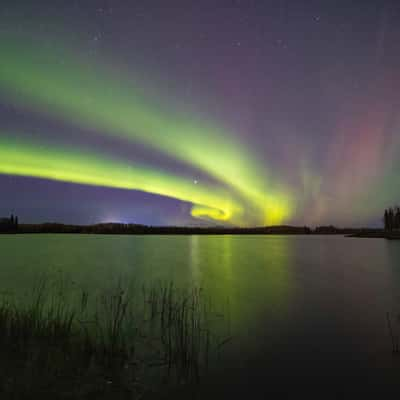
94 98
85 168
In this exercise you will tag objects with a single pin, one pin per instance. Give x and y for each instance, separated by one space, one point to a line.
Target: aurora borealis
221 112
71 93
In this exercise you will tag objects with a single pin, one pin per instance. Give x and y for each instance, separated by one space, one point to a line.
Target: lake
304 311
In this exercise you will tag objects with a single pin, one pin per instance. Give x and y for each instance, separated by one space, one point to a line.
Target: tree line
391 218
9 224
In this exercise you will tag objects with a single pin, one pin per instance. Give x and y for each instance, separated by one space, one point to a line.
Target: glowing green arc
85 168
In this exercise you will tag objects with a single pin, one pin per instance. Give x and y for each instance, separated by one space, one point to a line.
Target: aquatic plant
129 339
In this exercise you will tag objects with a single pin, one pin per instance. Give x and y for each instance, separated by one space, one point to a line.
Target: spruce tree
386 220
391 219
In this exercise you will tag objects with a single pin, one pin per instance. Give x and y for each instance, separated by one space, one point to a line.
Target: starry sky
228 112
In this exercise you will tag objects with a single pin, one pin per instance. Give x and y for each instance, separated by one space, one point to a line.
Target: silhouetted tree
391 219
9 225
396 224
386 220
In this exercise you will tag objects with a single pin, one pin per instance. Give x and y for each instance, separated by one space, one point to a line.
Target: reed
393 337
125 341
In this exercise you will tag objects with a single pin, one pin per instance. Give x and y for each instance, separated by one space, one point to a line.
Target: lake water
304 311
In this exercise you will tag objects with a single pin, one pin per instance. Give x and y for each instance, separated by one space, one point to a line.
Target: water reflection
309 290
194 260
248 278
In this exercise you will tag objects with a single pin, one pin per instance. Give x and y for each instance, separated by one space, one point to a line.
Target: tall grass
394 337
126 341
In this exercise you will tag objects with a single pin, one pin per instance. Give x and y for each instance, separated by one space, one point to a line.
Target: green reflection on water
249 277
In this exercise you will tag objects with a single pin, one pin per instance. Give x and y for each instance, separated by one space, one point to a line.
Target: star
97 37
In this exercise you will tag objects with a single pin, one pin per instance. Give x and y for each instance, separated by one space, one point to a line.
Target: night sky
238 112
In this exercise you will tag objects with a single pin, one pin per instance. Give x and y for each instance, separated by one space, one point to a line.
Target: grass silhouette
125 342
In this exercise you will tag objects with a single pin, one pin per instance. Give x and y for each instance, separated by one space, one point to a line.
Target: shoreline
365 235
376 235
135 229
